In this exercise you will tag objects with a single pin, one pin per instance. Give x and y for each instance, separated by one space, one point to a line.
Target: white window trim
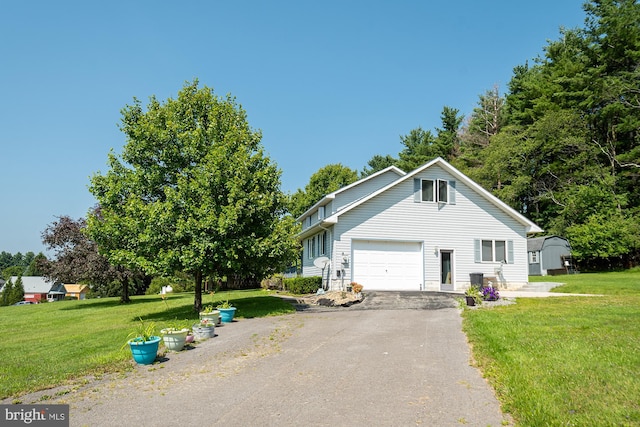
433 190
321 243
508 248
446 186
534 257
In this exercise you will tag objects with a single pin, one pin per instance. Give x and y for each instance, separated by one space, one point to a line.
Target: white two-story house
427 230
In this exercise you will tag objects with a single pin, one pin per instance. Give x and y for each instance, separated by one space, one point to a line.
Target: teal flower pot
144 352
226 314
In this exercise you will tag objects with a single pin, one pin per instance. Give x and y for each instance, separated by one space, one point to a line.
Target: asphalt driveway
345 367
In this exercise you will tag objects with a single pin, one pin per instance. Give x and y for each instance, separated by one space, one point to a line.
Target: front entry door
446 270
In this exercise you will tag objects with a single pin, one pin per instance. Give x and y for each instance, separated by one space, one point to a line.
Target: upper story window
434 190
443 191
427 190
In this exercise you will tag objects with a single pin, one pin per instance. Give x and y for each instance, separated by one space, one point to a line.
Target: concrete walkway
344 367
530 294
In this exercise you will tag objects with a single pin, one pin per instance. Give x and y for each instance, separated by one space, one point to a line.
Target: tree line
561 145
193 193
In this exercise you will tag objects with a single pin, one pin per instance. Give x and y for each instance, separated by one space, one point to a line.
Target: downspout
330 259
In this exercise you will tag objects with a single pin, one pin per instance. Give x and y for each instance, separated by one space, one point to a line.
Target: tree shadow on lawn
179 313
261 306
105 303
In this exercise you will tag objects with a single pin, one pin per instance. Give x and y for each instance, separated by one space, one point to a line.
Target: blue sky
326 82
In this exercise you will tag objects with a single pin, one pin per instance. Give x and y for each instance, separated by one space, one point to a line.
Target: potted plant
473 296
204 330
144 343
209 312
356 288
174 337
227 311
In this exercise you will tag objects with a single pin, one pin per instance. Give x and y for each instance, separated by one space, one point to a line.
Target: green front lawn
565 360
44 345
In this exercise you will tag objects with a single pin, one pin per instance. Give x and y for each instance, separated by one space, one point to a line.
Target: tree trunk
124 298
197 300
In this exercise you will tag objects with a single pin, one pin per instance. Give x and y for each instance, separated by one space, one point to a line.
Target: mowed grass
45 345
565 361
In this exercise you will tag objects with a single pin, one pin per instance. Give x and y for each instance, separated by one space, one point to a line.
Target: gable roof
37 284
531 227
536 243
328 197
75 288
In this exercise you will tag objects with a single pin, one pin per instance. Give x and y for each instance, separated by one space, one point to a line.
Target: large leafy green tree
326 180
378 163
568 135
419 146
192 191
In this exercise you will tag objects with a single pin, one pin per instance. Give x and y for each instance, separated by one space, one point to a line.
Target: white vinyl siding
394 215
312 250
363 189
398 214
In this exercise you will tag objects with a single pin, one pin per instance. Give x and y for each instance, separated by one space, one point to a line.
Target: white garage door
386 265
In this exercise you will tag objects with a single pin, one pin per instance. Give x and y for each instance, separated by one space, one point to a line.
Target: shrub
158 282
303 285
274 282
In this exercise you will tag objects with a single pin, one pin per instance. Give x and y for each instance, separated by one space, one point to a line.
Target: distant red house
38 288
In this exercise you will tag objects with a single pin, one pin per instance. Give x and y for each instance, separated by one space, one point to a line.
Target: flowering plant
356 287
206 323
490 293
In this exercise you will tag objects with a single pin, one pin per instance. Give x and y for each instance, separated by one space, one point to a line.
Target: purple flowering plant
490 293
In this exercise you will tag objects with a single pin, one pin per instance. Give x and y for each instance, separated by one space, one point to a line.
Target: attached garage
388 265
